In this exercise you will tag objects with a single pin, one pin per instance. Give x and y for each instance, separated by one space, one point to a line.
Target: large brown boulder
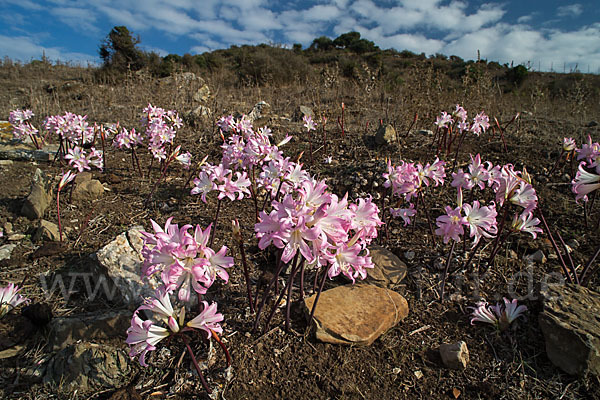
356 314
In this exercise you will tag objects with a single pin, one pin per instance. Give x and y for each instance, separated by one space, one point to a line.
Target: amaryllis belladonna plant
501 315
182 263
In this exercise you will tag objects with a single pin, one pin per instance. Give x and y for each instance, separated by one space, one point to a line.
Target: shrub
517 75
119 50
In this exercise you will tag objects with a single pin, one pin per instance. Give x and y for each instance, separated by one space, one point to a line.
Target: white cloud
573 10
521 44
25 49
28 4
82 20
524 19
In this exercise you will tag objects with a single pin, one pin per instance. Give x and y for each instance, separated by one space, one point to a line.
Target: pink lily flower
10 298
142 337
208 320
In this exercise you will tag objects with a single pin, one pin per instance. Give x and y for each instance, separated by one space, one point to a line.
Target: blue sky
547 33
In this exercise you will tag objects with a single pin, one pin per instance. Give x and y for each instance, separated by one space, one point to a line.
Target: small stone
39 197
592 124
8 228
425 132
15 237
388 269
455 355
538 257
409 255
88 190
47 231
386 134
6 251
570 323
356 314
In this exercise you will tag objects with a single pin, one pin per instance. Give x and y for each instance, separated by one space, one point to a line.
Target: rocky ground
388 337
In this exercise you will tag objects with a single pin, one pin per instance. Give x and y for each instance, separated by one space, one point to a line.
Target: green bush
517 75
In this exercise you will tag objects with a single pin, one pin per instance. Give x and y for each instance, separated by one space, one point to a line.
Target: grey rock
39 198
87 367
6 251
259 113
88 190
409 255
202 95
47 230
120 262
591 124
455 355
425 132
389 270
15 237
570 322
67 330
200 112
183 80
386 134
538 257
356 314
303 111
19 151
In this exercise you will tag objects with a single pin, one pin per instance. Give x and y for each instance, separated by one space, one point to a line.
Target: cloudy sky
547 33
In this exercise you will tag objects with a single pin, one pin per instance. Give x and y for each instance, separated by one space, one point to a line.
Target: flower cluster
458 119
509 187
144 334
81 160
10 298
19 119
71 127
323 228
500 315
160 128
407 180
127 139
184 263
587 178
183 259
221 179
246 149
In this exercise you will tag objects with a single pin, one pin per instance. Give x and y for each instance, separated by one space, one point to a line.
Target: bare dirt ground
404 362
